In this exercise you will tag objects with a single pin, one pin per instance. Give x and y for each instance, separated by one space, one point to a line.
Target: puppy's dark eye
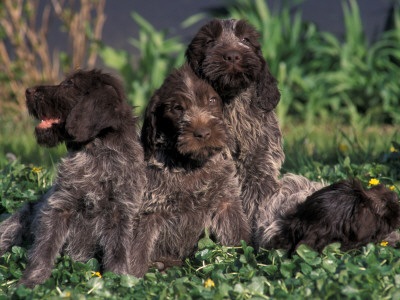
177 107
68 82
210 42
212 101
245 40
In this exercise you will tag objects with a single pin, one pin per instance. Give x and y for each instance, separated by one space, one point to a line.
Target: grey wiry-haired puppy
191 179
99 184
226 53
343 212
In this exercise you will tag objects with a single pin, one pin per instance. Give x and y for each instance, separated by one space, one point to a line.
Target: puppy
227 54
342 212
99 185
191 178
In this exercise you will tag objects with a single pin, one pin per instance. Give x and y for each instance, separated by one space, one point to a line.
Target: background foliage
340 118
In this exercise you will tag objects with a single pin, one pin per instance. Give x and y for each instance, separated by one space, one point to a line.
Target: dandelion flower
384 244
209 283
373 181
97 274
393 149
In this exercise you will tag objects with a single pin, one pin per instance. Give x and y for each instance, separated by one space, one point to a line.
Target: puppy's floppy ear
100 109
149 128
196 50
268 95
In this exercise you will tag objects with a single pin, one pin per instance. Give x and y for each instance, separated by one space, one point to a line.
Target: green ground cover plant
217 272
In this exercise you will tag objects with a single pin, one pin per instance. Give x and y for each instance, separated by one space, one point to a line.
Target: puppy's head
376 214
385 204
77 109
184 118
228 55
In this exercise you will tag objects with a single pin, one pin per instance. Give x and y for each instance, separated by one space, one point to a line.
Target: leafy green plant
158 55
20 183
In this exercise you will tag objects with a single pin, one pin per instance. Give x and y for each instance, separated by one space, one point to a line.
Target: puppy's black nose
232 56
30 91
202 133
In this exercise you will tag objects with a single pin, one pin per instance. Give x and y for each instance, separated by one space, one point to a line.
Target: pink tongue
47 123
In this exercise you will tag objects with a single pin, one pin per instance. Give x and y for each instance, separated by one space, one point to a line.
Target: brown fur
226 53
99 183
342 212
191 177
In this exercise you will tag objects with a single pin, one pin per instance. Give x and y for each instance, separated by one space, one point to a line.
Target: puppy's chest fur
198 189
258 139
251 126
91 177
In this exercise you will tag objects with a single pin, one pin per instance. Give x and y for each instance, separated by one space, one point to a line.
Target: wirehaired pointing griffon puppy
226 53
99 184
342 212
191 177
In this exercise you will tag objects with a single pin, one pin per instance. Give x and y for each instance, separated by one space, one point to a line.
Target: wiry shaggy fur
342 212
191 178
226 53
99 184
294 190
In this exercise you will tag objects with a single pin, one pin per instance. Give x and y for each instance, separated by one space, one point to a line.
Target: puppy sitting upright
342 212
227 54
191 178
99 184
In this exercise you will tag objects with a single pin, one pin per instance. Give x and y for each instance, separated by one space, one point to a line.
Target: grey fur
294 190
99 184
248 105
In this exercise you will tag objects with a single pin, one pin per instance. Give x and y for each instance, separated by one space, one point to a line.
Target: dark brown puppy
191 178
342 212
99 184
226 53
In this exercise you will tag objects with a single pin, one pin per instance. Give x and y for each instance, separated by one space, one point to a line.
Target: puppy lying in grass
343 212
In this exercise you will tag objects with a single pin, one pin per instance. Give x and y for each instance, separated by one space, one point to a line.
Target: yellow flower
209 283
343 147
373 181
393 149
67 294
390 187
384 244
96 274
37 170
